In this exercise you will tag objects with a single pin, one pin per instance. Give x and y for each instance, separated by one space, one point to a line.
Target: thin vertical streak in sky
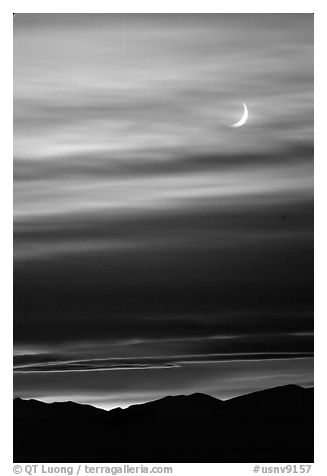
123 35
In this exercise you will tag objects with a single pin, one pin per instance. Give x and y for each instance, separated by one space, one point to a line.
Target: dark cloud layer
152 292
94 166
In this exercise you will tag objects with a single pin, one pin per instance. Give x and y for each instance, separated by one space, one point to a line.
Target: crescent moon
243 119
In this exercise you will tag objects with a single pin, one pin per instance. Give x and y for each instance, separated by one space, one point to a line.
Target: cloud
109 389
95 165
153 363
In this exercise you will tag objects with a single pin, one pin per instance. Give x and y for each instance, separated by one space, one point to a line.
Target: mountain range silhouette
274 425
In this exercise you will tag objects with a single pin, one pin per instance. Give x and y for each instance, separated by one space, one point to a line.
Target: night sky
157 250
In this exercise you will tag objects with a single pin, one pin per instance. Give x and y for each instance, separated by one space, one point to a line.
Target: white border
162 6
167 6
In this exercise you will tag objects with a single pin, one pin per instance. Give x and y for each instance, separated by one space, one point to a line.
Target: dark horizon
196 428
161 398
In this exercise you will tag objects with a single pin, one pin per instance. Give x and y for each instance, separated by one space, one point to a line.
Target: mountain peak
271 425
